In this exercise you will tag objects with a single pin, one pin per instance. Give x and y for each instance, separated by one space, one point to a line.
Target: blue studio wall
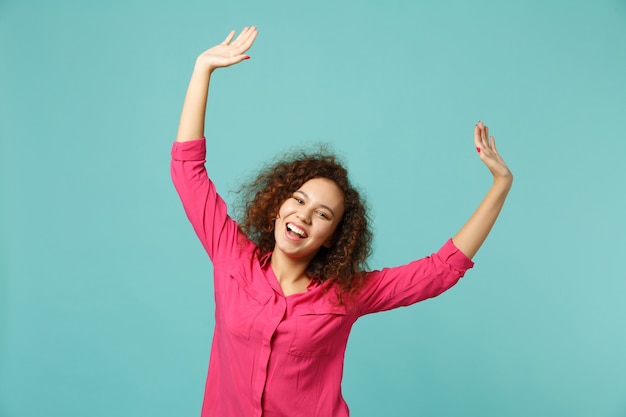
105 293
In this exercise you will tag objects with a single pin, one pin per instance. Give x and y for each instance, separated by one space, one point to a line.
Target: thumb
238 58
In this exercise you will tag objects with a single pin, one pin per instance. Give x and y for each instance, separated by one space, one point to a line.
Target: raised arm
473 233
227 53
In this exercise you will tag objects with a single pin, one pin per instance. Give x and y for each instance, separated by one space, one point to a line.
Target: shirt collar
265 263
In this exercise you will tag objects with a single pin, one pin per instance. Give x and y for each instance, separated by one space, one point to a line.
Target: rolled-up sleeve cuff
193 150
453 256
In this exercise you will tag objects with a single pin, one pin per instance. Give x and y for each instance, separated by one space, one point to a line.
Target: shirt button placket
276 313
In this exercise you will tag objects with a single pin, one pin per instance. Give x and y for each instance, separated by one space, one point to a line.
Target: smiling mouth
296 230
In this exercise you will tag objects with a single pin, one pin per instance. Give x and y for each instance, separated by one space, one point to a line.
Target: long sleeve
416 281
204 207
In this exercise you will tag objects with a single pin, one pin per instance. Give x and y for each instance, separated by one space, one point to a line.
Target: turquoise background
105 293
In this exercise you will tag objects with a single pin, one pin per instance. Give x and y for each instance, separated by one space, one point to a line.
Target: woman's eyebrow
324 206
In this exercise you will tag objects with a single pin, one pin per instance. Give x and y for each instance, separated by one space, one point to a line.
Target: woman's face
308 219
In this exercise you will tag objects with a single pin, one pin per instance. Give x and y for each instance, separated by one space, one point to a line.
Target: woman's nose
304 216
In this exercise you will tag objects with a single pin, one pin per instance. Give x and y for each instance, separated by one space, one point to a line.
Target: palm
230 51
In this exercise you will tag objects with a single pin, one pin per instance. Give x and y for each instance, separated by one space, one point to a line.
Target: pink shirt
283 356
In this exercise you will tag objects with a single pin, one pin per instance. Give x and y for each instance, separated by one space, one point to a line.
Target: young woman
289 279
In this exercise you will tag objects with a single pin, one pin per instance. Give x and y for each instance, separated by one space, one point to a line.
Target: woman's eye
298 200
322 214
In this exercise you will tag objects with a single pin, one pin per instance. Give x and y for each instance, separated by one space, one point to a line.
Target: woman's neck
290 273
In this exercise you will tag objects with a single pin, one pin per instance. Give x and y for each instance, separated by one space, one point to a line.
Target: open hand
486 147
230 51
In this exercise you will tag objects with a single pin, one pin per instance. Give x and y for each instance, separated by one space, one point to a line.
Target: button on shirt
274 355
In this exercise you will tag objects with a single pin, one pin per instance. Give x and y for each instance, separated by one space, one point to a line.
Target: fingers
245 39
229 38
493 144
484 134
245 32
246 36
479 141
482 140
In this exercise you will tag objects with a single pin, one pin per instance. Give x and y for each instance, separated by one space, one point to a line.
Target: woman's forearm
191 125
474 232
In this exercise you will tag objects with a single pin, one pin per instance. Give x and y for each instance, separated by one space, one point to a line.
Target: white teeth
295 229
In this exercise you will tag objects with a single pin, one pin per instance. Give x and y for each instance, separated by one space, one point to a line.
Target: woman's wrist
203 67
503 182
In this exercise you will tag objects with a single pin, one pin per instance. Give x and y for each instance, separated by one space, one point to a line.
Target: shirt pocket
319 332
239 305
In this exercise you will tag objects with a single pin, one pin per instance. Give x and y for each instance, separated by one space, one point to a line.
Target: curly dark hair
344 263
